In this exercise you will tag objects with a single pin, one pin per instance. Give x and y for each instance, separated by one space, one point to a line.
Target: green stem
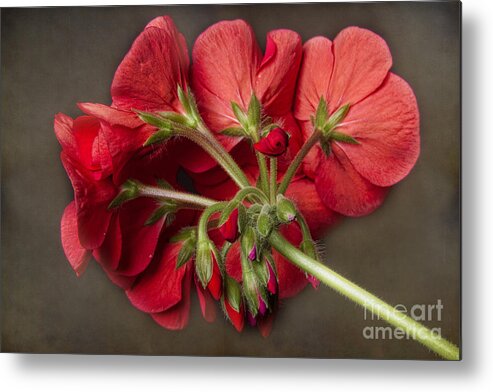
295 164
188 199
264 175
273 180
365 299
206 140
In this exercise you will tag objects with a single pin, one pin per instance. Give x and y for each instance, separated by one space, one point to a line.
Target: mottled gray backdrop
408 252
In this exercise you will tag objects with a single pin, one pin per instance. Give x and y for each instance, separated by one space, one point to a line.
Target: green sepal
158 136
308 248
326 147
264 222
254 112
321 114
153 119
186 252
203 262
166 211
247 241
239 114
342 137
233 132
266 130
262 272
250 285
233 293
129 190
183 99
163 184
184 235
242 217
175 117
336 118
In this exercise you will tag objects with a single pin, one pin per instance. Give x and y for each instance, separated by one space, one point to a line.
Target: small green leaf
254 112
342 137
240 115
234 132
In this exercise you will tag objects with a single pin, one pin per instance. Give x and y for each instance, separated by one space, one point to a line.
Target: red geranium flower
383 118
154 262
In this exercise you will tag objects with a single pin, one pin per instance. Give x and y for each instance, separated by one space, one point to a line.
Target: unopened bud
248 246
264 222
229 230
207 268
286 211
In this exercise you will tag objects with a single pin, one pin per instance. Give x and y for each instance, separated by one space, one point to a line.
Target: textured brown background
407 252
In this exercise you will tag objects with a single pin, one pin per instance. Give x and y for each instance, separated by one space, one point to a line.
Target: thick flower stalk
277 148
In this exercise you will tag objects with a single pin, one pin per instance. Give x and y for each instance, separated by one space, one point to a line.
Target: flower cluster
288 140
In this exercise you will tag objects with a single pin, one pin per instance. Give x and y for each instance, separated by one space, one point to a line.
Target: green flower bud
203 261
286 211
264 222
248 246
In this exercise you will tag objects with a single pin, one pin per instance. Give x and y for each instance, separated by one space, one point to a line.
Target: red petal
207 303
123 143
308 202
276 77
112 116
160 286
233 262
139 240
342 189
215 285
77 256
109 252
237 318
265 324
176 318
148 77
230 230
225 61
289 124
386 124
63 131
124 282
361 62
314 77
91 200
